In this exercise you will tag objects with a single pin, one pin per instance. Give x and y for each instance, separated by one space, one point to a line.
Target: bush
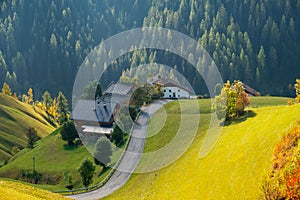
284 179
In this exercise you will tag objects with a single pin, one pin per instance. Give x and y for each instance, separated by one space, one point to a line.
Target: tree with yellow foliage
6 89
232 101
297 88
25 98
30 96
242 98
15 96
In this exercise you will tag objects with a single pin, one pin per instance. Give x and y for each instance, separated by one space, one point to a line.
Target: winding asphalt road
131 157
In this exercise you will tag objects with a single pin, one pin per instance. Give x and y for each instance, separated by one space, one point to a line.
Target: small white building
175 92
172 89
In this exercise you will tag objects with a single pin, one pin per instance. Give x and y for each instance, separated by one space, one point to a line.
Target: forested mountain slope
43 42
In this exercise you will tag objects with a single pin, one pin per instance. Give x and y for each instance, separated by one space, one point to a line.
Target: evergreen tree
117 135
103 152
47 100
92 91
32 137
62 108
86 171
68 132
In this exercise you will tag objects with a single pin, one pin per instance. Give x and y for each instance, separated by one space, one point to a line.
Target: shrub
284 179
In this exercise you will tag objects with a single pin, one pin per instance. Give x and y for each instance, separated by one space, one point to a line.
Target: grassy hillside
17 191
16 117
234 169
56 161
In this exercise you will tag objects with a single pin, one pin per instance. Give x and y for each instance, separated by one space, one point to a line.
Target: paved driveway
131 158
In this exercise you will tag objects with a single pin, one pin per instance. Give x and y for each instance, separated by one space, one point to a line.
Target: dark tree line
44 42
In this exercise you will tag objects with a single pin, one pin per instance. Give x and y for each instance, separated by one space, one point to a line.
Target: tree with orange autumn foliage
232 101
284 179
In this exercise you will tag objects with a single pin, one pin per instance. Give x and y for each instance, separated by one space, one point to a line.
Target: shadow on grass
248 114
104 169
68 147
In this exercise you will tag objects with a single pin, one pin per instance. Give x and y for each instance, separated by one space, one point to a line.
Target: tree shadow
104 169
68 147
237 120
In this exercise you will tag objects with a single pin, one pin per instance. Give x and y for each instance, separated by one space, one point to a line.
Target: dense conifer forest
43 42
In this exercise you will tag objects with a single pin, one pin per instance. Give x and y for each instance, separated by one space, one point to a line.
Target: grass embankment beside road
234 169
17 191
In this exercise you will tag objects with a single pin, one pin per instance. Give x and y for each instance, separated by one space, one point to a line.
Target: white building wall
175 92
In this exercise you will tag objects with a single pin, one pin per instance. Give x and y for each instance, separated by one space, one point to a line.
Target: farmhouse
249 90
172 89
98 116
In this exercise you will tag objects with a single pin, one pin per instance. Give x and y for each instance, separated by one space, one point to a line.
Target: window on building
170 90
178 90
178 96
164 90
170 96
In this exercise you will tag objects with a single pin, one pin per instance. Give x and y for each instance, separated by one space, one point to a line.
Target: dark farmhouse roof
119 88
250 90
102 109
167 82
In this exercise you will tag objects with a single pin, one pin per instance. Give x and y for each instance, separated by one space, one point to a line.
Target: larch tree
30 96
297 88
6 89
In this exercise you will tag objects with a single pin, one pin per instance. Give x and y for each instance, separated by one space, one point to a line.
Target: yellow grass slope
17 191
15 119
234 169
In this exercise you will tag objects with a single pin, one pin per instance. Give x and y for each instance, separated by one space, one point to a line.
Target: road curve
131 157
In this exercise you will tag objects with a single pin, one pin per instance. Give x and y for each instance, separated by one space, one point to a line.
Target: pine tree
62 108
47 101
